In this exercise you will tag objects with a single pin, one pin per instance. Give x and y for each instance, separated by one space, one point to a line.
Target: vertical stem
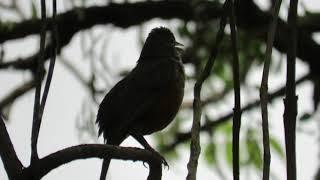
36 118
54 37
290 101
264 91
237 104
195 132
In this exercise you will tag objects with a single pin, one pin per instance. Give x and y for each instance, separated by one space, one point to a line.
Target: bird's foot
163 160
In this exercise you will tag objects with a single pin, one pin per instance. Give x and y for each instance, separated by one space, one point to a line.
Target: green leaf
305 117
254 151
256 155
275 145
34 13
226 129
210 153
228 151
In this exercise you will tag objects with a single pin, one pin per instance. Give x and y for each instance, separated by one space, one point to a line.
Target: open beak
178 44
178 47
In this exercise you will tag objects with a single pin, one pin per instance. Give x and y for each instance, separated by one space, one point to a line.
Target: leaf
226 129
228 148
34 13
275 145
210 153
255 153
305 117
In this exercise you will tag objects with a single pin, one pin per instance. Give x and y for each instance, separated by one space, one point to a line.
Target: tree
209 50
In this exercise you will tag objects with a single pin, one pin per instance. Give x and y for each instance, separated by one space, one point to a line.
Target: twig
19 91
264 91
211 99
250 18
209 125
10 160
195 135
237 103
290 101
36 116
78 75
52 60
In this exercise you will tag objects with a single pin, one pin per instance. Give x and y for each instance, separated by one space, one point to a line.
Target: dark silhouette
148 98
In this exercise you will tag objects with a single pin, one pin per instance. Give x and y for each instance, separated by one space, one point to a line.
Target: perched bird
148 98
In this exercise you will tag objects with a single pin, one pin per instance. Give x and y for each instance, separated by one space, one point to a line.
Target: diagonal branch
250 19
209 125
197 108
16 93
8 155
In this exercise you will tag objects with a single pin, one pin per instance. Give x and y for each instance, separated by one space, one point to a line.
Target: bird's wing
131 97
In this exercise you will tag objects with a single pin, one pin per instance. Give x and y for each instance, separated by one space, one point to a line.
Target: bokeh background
96 58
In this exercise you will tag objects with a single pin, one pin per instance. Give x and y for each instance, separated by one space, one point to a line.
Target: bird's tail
104 169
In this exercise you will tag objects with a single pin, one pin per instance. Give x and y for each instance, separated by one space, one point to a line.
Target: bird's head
160 43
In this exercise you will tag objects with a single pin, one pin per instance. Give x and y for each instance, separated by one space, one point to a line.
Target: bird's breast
167 106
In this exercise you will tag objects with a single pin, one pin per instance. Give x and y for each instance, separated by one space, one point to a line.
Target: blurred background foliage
97 71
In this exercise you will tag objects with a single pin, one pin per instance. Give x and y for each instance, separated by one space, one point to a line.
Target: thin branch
290 101
195 135
36 116
211 99
249 18
237 103
209 125
10 160
79 76
84 18
52 60
264 91
84 151
16 93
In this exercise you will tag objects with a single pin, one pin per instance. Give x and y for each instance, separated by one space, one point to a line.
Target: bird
148 98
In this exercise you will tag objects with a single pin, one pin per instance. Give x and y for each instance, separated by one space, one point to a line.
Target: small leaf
210 153
229 153
305 117
256 155
34 13
253 148
226 129
275 145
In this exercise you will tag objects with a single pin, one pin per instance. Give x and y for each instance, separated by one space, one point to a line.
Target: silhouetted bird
148 98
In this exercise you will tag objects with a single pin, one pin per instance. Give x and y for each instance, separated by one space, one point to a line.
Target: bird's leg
146 145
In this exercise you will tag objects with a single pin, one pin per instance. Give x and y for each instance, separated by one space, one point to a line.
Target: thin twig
209 125
264 91
290 102
195 135
54 38
252 18
16 93
237 103
211 99
36 118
